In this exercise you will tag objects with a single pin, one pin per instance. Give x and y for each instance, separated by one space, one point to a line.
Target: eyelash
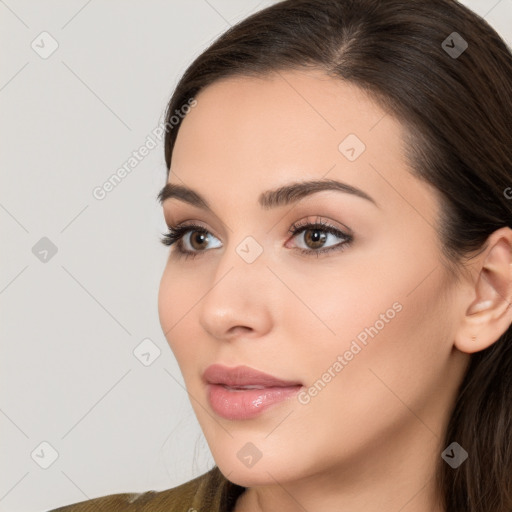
175 234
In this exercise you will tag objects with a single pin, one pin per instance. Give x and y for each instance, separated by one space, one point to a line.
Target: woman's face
365 328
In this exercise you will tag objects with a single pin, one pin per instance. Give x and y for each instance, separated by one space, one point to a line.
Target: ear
489 314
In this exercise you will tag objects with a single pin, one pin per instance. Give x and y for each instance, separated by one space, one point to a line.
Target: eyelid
191 223
325 221
346 235
317 219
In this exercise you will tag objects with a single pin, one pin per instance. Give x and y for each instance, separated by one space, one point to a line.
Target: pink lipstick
242 392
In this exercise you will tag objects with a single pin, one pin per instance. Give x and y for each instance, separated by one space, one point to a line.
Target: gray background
70 321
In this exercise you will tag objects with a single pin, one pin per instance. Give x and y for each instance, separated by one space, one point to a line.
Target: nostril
239 329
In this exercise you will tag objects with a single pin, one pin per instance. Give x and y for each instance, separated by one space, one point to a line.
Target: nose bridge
244 254
240 293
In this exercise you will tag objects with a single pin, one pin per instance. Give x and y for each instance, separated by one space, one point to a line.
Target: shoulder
208 492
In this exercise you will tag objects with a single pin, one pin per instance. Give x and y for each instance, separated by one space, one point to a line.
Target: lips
243 393
244 377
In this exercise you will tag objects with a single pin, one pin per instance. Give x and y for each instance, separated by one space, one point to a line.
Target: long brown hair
456 104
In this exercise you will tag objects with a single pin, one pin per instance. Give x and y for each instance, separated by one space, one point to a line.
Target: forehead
252 134
288 114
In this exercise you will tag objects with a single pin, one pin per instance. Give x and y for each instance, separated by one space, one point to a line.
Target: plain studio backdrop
91 398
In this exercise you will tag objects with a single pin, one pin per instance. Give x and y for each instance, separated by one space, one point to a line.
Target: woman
339 279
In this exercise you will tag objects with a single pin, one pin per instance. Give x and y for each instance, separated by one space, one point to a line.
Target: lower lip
245 404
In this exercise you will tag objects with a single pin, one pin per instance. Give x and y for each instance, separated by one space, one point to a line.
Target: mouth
243 393
244 377
241 388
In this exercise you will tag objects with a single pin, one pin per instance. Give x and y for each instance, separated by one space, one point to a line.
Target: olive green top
210 492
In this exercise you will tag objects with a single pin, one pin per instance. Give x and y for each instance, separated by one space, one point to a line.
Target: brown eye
190 240
198 239
315 238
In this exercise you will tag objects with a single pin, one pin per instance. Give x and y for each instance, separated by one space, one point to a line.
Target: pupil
199 238
316 236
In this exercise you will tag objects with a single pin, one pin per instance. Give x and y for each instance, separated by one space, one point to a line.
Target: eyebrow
281 196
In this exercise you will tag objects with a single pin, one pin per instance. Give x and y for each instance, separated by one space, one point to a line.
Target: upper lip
243 376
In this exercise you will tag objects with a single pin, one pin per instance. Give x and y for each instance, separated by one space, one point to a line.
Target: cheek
179 291
389 364
165 302
348 299
174 296
376 310
178 297
370 394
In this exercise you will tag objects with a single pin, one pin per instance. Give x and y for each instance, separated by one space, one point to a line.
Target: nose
239 300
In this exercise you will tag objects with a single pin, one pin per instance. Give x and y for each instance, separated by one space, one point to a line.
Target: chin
250 477
264 471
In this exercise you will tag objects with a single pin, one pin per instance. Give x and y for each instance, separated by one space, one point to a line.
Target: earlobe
489 314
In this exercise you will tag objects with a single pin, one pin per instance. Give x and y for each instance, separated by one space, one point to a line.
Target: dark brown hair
457 111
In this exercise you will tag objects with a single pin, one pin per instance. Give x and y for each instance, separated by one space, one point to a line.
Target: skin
370 439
